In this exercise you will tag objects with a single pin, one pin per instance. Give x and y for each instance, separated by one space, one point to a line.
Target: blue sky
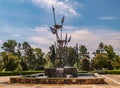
89 22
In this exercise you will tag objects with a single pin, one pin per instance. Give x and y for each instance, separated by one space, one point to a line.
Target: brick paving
112 81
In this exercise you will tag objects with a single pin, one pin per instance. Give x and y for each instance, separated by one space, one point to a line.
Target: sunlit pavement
112 81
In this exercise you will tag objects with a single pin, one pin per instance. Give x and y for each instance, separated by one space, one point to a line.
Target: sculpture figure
61 43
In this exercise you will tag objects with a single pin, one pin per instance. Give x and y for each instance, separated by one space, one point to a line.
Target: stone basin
64 80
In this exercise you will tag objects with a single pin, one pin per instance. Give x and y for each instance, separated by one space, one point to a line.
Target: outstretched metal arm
54 31
69 39
62 21
54 15
66 39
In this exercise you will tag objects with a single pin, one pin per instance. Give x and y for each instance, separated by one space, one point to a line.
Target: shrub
112 71
13 73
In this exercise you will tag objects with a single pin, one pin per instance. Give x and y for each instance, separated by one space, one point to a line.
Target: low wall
28 80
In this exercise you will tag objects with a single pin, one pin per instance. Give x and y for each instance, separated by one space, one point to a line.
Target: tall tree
52 55
72 56
29 56
83 51
40 60
110 51
100 61
116 62
101 47
1 62
26 47
19 48
10 61
85 64
9 46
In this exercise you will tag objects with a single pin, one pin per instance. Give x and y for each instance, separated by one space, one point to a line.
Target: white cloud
91 38
42 37
108 18
62 7
86 36
15 35
41 40
33 46
41 29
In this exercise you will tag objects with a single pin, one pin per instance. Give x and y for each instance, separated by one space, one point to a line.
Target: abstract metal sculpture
61 43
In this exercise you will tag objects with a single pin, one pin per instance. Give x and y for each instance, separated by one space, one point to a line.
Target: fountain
62 72
61 55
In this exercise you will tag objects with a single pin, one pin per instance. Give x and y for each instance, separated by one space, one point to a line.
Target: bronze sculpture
61 43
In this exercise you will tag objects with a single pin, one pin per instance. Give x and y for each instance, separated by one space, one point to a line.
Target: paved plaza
112 81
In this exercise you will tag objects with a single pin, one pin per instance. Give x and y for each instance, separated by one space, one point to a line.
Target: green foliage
10 61
9 46
82 72
72 56
1 64
100 48
106 56
83 51
85 64
52 54
112 71
100 61
116 62
21 56
110 52
28 56
23 64
19 69
13 73
69 56
40 60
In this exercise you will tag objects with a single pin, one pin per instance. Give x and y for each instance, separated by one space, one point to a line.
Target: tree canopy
21 56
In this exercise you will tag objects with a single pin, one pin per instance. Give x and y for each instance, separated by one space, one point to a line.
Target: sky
89 22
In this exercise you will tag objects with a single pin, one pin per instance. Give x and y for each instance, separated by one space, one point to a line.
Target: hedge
112 71
13 73
82 71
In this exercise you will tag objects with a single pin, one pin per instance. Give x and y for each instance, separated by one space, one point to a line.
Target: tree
23 64
10 61
110 51
83 51
52 54
19 48
116 62
101 48
1 63
85 64
26 46
101 61
92 65
72 56
28 56
40 60
9 46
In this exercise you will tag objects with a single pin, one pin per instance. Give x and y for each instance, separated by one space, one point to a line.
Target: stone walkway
112 81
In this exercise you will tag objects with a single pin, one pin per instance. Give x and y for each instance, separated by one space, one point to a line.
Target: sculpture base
61 72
